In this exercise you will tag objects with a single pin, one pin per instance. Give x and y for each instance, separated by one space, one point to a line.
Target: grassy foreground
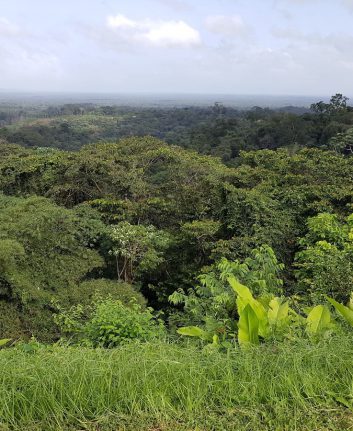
168 387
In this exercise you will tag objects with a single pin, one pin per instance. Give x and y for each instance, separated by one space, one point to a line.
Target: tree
325 263
137 249
338 103
342 142
45 251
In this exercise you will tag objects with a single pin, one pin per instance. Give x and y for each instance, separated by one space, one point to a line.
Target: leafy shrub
249 320
109 323
325 263
103 288
213 300
270 318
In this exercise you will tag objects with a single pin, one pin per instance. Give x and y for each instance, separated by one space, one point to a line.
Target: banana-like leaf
350 304
241 290
318 320
248 327
4 341
194 331
278 312
244 298
344 311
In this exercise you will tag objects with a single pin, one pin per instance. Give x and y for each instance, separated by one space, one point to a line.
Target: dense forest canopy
139 216
217 130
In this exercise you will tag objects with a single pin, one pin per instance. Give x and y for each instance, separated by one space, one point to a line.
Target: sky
269 47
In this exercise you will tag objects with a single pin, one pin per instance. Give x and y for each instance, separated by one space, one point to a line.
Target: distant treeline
216 130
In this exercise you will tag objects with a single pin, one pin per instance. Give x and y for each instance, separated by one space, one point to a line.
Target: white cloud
120 21
155 33
229 26
7 28
173 33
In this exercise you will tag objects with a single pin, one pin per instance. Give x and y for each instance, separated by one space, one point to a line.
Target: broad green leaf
248 327
318 320
4 341
241 290
245 298
278 312
346 312
194 331
244 295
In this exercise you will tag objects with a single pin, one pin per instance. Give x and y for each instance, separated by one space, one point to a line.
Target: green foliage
319 320
279 316
109 323
260 271
342 142
156 215
248 326
137 248
338 103
325 264
213 299
269 318
345 312
202 232
179 212
113 324
89 290
245 300
213 130
194 331
44 253
11 320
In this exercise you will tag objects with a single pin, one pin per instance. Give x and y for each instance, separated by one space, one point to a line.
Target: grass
161 386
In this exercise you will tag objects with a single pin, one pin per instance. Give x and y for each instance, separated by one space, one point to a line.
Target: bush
325 263
104 288
109 323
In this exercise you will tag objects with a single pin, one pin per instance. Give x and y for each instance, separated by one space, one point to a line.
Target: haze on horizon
278 47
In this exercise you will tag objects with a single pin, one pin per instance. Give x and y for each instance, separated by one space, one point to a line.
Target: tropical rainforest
176 268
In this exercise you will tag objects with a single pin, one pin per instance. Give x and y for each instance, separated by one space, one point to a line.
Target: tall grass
168 387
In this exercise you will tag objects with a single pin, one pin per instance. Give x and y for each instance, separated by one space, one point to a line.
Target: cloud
120 22
348 4
340 42
8 29
25 56
229 26
153 33
23 65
